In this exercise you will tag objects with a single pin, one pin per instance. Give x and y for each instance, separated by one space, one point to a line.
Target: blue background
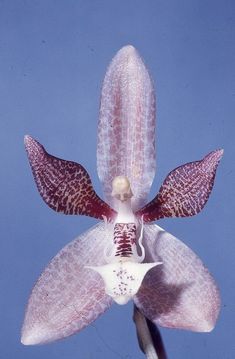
53 57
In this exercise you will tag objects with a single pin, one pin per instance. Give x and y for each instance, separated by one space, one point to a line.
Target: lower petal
180 293
67 296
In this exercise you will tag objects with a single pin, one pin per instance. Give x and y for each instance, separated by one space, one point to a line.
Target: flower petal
126 130
67 296
185 190
180 293
65 186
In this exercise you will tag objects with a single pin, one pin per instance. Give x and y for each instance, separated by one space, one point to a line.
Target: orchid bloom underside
124 256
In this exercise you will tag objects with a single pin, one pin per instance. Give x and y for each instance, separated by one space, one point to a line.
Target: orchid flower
125 256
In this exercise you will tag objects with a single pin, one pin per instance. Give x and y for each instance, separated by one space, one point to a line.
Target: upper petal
185 190
126 130
68 296
65 186
180 293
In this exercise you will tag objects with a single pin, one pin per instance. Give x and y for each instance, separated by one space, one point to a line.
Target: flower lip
122 299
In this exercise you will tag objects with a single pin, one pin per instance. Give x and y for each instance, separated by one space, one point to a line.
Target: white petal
181 293
126 131
68 296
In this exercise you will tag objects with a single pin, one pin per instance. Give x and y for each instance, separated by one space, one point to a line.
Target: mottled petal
64 185
67 296
126 131
180 293
185 190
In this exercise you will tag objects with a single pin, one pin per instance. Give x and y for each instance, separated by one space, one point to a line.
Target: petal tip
130 49
27 138
27 339
217 154
31 144
220 152
128 52
29 141
212 160
35 335
207 326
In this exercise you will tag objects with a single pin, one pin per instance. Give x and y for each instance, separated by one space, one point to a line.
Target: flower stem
149 337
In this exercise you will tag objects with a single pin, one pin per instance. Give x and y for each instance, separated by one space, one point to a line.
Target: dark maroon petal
180 293
68 296
64 185
185 190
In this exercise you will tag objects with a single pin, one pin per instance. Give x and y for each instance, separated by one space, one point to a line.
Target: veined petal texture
65 186
126 130
180 293
185 190
67 296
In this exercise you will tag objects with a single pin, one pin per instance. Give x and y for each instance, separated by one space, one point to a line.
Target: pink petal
185 190
64 185
181 293
67 297
126 131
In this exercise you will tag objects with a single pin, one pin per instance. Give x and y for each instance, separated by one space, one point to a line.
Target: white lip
123 279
